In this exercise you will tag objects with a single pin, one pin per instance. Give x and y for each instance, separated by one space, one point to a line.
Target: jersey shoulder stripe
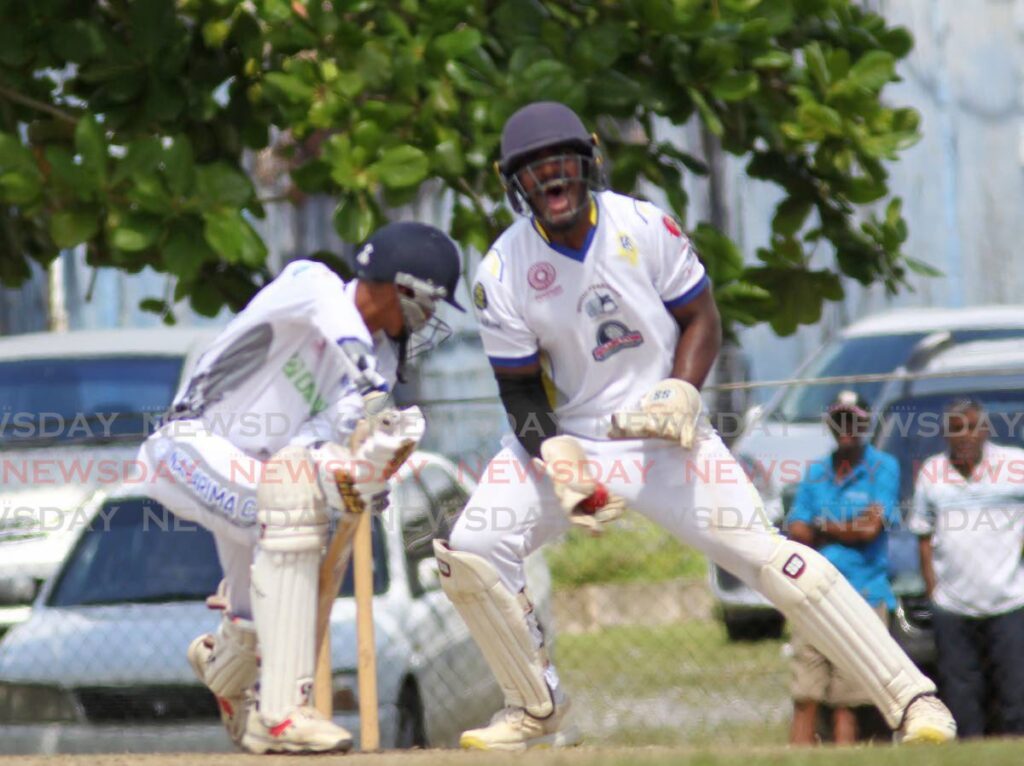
689 295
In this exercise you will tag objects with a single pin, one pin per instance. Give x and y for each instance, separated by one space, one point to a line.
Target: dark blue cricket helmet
416 249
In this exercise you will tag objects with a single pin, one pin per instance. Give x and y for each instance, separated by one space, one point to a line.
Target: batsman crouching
600 299
311 351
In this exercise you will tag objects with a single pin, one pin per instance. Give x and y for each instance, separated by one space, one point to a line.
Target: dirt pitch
989 753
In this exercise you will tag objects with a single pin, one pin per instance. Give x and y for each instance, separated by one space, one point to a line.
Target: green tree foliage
124 125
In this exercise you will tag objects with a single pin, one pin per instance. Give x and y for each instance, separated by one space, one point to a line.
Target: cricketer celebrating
302 358
600 299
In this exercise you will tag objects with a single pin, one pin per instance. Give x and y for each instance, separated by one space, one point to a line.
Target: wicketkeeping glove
670 410
585 500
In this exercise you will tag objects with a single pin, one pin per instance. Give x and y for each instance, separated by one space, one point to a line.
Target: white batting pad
293 518
498 622
820 602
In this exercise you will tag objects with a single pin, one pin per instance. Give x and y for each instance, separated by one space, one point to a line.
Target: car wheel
754 628
411 729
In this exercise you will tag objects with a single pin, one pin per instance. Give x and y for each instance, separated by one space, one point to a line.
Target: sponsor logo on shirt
602 288
296 371
600 304
672 225
627 249
541 276
479 296
612 337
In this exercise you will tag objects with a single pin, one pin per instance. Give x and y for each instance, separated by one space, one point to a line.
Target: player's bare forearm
700 339
802 533
521 390
924 547
858 531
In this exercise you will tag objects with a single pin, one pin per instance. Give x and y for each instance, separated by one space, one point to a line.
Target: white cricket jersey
977 531
597 319
278 374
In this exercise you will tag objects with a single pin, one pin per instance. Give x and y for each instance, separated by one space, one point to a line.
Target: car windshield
911 429
83 400
134 551
867 355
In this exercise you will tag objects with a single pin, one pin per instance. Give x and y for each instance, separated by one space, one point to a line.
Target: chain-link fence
651 645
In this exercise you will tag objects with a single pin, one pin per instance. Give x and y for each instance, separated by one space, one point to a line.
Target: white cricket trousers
701 496
204 478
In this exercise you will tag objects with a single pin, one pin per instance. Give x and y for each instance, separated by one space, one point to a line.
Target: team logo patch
599 304
479 296
794 566
627 249
614 336
541 276
673 228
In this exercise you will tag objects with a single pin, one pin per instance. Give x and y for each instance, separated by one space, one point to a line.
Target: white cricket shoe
927 720
234 709
514 729
303 730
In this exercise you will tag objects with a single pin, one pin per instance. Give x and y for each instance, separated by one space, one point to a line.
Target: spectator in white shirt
968 514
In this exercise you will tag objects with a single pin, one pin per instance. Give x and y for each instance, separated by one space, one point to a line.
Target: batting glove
670 411
361 477
585 500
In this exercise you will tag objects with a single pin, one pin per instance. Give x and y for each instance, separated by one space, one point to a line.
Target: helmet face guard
528 183
555 188
423 329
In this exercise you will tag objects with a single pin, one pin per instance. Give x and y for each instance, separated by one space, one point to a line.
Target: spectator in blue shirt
843 506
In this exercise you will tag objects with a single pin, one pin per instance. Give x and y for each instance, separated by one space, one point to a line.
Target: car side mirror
427 574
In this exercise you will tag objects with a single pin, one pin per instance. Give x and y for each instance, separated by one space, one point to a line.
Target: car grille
146 703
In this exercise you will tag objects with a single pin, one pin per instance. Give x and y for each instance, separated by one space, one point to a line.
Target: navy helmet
424 263
416 250
544 126
541 125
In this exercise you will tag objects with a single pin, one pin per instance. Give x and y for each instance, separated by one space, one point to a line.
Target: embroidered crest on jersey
627 249
672 225
600 304
541 276
479 296
603 288
613 337
493 264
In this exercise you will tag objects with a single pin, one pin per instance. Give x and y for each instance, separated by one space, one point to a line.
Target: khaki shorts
815 679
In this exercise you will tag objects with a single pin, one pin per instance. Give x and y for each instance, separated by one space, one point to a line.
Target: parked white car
76 406
100 664
781 439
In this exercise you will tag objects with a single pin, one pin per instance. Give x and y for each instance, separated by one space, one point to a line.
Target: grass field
990 753
633 550
683 683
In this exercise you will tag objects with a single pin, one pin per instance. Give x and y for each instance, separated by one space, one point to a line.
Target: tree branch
39 106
